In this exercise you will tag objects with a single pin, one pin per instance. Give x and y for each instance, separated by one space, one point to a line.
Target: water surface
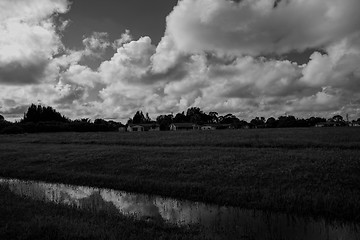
218 221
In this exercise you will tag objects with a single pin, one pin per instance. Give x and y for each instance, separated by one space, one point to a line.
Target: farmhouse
216 126
143 127
354 124
122 129
208 127
330 124
184 126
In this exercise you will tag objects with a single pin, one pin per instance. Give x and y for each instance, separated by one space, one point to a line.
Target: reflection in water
228 222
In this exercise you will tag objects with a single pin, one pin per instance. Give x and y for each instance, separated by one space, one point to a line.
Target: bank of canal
217 221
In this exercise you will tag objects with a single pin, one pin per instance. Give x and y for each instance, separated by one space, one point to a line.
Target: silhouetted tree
164 121
242 124
180 118
2 118
229 119
286 121
42 114
214 117
337 118
271 122
138 118
258 122
83 120
100 121
147 118
312 121
194 114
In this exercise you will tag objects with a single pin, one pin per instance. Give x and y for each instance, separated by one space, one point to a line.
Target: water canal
218 221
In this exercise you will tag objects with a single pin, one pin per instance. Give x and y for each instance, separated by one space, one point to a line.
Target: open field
308 171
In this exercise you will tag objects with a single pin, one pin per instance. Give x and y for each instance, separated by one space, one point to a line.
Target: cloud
96 44
256 27
214 54
30 39
125 38
129 63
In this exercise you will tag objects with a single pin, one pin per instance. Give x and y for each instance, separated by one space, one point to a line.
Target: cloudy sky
90 58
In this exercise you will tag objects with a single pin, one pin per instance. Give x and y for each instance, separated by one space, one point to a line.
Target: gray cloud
218 55
255 27
16 73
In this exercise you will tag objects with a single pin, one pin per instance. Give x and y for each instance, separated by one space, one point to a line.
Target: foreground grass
28 219
306 171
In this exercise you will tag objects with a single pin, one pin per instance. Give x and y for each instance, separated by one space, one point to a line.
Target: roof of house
144 125
217 125
328 123
184 124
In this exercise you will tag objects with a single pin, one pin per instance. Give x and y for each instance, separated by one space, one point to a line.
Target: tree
271 122
83 120
147 118
258 122
229 119
138 118
312 121
164 121
287 121
180 118
214 117
2 118
100 121
337 118
195 115
42 114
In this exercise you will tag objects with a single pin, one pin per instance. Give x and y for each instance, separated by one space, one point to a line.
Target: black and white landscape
180 119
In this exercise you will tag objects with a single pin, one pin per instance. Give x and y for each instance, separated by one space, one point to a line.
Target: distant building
354 124
143 127
330 124
122 129
208 127
216 126
184 126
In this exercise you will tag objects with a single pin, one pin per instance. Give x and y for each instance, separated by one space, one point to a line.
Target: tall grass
307 171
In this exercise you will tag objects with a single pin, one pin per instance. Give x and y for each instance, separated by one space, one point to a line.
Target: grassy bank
28 219
307 171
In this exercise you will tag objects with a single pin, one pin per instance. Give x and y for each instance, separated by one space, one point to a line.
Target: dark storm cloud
16 73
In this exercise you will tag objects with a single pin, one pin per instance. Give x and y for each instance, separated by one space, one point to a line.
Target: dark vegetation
30 219
46 119
310 171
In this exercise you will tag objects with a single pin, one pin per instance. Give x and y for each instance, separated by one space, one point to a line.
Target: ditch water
218 221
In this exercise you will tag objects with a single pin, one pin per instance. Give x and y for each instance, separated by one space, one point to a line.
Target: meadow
309 171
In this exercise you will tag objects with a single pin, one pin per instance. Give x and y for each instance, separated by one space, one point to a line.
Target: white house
354 124
184 126
143 127
208 127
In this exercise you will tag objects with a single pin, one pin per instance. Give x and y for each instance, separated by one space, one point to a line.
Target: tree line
197 116
40 118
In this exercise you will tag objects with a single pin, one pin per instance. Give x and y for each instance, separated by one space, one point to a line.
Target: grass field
310 171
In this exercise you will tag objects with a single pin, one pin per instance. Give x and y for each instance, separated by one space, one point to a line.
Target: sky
108 59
